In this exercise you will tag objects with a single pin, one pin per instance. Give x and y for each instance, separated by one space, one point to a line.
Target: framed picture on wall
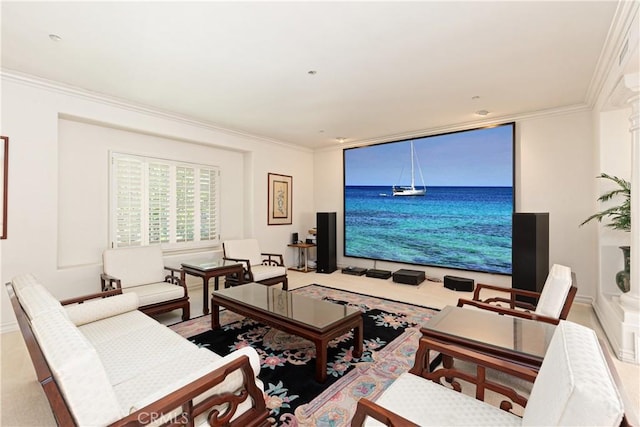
4 175
280 207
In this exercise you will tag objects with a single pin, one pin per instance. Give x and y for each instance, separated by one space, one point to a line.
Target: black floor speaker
530 252
326 242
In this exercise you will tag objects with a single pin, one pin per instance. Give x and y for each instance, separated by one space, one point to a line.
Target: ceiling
382 69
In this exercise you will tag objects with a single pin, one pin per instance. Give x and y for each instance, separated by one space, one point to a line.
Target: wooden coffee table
316 320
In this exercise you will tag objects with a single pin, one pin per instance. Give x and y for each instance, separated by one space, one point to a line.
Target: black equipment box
458 283
408 277
378 274
354 271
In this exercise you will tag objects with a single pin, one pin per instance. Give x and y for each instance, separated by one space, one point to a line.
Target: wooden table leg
321 360
215 282
215 315
205 295
358 336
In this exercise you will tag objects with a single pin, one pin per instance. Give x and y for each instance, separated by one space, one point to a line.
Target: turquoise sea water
466 228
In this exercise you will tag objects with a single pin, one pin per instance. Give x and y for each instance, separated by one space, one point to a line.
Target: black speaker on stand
530 252
326 242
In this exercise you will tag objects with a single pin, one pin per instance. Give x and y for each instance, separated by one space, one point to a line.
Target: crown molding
621 26
465 126
111 101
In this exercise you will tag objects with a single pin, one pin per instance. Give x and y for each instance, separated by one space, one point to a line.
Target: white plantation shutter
208 205
127 193
156 201
159 203
185 204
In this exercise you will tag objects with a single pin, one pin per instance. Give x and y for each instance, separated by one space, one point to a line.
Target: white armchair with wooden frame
141 270
552 304
260 267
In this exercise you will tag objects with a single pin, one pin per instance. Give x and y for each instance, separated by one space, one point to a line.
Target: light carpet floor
23 402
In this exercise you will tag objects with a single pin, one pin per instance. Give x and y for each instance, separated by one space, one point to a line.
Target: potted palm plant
619 219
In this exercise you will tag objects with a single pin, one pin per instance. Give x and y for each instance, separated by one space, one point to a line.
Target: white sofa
103 362
574 387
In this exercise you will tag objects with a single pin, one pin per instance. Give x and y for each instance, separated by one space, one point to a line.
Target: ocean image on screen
460 218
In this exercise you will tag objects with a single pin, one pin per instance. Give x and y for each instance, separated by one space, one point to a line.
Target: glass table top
514 334
205 263
300 309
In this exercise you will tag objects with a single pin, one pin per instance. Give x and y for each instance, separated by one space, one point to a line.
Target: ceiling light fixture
341 139
475 97
55 37
482 112
312 72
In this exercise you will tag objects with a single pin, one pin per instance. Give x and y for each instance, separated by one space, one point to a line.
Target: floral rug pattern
391 333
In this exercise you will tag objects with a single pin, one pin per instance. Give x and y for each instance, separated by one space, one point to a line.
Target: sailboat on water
412 190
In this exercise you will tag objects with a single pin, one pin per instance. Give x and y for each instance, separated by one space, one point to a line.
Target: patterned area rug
391 334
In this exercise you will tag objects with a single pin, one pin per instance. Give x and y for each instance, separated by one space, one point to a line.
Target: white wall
44 181
554 167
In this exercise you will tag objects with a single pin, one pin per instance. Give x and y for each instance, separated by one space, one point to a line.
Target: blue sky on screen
481 157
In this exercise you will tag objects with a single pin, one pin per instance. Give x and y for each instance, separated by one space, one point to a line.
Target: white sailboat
412 190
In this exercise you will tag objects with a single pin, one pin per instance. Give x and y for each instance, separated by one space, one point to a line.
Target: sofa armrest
184 397
482 362
81 299
273 259
367 408
108 282
508 311
172 278
513 303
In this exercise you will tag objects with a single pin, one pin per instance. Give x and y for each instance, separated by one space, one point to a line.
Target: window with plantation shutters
157 201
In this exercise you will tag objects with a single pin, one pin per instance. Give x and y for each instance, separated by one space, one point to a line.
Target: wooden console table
303 254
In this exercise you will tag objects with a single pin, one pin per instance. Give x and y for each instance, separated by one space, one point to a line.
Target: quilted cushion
135 266
111 328
36 301
438 405
262 272
126 356
91 311
555 291
78 370
574 385
243 249
156 292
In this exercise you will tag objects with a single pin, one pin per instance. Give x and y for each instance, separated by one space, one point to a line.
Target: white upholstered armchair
553 303
265 268
573 387
141 270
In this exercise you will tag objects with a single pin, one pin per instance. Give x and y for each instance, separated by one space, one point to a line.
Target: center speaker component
458 283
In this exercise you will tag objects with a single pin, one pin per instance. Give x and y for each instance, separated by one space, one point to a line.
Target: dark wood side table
473 335
206 269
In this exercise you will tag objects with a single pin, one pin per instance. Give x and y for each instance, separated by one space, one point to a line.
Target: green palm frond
619 216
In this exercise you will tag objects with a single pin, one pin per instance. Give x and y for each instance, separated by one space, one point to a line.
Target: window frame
173 244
